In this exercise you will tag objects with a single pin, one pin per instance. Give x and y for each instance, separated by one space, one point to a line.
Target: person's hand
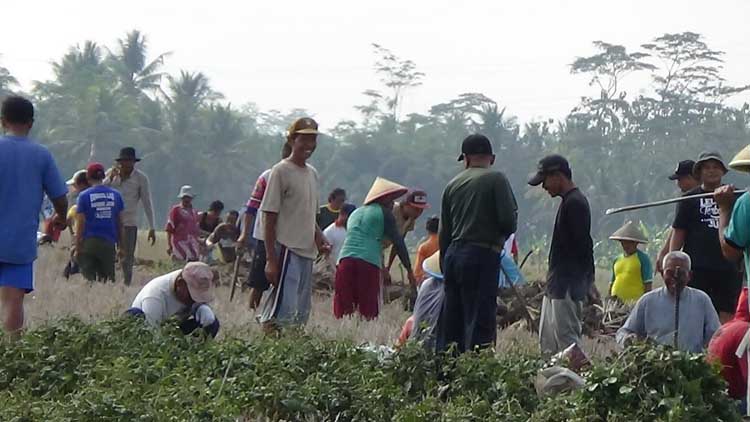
724 196
120 254
59 221
386 276
272 272
241 242
76 251
169 250
152 237
204 315
412 279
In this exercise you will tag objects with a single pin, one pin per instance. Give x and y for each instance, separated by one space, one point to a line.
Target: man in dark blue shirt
571 257
27 173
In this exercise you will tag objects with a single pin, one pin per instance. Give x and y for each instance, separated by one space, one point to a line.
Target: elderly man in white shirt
184 293
654 314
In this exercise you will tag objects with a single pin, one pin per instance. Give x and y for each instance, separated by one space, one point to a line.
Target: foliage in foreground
119 370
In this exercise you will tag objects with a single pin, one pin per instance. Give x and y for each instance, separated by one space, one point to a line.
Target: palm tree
129 65
187 93
7 81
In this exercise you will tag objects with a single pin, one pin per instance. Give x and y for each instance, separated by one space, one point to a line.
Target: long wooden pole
664 202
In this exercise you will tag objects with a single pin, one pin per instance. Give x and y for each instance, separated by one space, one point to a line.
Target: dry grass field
55 297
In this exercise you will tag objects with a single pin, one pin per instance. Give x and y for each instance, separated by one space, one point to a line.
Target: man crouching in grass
184 293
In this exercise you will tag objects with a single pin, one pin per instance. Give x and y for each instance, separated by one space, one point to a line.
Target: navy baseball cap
547 165
475 144
684 168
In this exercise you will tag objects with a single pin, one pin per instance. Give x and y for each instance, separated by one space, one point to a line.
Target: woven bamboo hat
382 188
741 161
630 231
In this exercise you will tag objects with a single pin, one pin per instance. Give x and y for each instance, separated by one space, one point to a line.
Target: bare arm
61 206
391 258
725 199
663 252
248 221
678 239
81 227
269 235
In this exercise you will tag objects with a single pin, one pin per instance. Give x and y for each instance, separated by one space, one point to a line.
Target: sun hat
431 265
186 190
199 279
707 156
741 161
383 187
630 231
72 180
127 154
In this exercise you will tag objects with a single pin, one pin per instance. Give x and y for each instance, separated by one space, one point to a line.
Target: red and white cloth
183 225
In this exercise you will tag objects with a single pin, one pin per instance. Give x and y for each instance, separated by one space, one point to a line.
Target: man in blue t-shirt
27 173
99 227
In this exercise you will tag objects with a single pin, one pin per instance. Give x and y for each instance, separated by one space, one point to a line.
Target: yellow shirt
629 274
71 217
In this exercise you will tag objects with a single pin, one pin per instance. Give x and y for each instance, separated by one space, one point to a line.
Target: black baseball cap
684 168
547 165
475 144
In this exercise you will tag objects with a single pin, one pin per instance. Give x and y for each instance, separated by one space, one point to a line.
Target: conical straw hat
384 187
431 265
741 161
630 231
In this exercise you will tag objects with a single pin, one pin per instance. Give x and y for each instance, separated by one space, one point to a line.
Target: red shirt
183 225
723 348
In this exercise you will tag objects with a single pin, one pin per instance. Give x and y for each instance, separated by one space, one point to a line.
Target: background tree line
621 147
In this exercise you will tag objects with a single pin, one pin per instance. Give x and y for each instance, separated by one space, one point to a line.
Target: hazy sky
316 55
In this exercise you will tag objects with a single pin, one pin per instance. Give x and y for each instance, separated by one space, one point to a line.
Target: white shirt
335 236
157 299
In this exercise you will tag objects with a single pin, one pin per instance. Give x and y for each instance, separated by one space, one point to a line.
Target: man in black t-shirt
695 232
571 258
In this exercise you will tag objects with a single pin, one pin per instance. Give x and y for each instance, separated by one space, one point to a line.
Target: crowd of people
470 249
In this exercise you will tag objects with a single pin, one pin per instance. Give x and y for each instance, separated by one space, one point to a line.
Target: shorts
723 287
357 287
256 278
20 276
289 302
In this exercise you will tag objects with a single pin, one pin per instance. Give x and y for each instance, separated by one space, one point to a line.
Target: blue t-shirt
27 172
102 206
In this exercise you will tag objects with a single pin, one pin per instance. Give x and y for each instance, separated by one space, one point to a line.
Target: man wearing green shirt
478 213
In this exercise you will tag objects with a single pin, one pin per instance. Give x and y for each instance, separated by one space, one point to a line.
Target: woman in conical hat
358 275
632 273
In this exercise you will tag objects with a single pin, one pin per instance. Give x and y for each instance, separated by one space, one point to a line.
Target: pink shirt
182 223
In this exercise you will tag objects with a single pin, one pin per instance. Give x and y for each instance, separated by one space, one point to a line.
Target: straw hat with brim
382 188
630 231
431 265
186 190
741 161
199 279
707 156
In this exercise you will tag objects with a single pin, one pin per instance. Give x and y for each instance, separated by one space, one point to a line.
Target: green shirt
737 232
478 207
365 231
